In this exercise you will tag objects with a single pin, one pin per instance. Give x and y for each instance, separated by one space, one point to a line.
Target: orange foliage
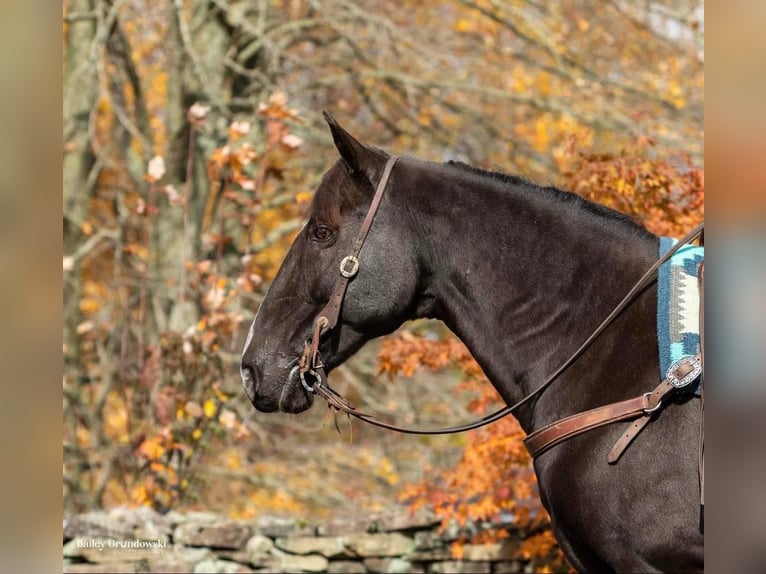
494 477
191 415
667 195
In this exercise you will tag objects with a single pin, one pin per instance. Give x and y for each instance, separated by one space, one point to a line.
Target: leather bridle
311 363
313 376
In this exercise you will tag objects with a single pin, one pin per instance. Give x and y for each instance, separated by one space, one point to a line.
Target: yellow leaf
196 434
83 436
139 495
220 394
541 135
209 408
463 25
115 416
232 461
303 197
89 306
151 448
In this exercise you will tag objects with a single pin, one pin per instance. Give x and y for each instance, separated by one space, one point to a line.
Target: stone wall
140 540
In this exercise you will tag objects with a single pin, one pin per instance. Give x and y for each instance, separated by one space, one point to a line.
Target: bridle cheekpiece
310 365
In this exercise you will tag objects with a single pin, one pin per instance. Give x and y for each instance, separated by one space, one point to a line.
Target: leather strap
627 437
550 435
336 401
556 432
349 265
328 317
310 363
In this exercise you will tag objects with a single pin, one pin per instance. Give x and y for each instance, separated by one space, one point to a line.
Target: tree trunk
79 163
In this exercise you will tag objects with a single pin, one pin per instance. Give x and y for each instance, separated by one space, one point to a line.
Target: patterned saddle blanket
678 304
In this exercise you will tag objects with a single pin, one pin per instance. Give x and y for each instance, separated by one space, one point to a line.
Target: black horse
522 274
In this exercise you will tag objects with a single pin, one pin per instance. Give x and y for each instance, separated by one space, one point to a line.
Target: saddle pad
678 306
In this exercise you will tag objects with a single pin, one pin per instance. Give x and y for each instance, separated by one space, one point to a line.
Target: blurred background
192 143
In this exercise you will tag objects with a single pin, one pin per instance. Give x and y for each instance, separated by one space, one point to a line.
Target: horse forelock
338 193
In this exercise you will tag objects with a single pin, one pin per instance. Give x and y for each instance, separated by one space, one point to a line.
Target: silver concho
349 266
678 380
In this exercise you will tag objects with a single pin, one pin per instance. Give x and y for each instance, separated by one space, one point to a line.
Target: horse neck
523 276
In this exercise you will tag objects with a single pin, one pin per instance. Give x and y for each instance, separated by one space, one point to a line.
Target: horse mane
508 181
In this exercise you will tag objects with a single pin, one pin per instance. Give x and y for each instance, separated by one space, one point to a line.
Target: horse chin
294 398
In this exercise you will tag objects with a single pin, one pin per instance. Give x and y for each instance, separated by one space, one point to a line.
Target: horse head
379 297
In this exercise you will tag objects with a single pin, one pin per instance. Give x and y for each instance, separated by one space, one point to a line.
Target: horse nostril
248 380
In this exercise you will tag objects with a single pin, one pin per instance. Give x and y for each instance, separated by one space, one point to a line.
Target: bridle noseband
312 372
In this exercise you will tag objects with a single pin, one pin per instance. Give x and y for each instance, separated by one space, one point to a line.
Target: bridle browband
312 372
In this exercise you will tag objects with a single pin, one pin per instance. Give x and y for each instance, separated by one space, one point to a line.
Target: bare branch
197 68
93 241
80 16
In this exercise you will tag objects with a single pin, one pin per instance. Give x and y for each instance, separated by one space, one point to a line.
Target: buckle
684 371
349 266
650 410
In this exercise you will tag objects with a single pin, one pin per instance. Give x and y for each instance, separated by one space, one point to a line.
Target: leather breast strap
643 406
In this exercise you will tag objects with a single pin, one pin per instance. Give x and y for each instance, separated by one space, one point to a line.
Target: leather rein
313 376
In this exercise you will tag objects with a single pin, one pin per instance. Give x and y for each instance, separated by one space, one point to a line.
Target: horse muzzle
274 387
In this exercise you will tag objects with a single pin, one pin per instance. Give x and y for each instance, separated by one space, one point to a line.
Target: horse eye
322 233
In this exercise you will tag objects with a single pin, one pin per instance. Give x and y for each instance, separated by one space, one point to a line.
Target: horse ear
358 157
